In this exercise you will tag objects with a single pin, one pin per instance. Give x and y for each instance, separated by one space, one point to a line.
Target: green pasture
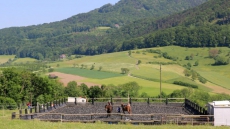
216 78
24 60
7 123
112 62
5 58
150 87
88 73
103 28
150 72
147 57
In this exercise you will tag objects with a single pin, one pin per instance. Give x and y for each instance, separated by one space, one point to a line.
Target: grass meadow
7 123
150 87
24 60
5 58
88 73
148 74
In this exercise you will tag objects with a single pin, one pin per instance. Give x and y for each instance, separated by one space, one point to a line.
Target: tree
221 60
187 73
196 63
71 89
95 92
130 53
92 67
100 68
124 70
82 66
213 53
139 62
130 88
194 75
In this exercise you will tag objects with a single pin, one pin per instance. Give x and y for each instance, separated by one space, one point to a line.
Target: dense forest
73 35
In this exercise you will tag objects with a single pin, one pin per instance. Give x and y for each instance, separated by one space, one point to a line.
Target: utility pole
160 81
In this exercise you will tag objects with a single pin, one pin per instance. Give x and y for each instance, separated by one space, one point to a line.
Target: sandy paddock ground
66 78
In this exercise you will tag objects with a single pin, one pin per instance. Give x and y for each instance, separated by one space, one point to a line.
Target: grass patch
150 73
150 87
216 78
24 60
7 123
88 73
5 58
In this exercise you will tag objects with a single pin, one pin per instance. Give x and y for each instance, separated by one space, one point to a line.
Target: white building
78 100
221 112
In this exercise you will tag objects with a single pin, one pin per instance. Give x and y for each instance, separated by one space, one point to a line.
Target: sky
15 13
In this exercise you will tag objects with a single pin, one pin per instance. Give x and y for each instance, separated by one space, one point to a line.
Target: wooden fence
154 118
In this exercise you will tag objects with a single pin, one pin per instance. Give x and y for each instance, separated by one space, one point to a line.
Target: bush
185 84
202 80
7 103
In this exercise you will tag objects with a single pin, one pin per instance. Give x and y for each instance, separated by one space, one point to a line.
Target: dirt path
66 78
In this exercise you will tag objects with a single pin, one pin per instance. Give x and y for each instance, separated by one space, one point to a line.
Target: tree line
73 35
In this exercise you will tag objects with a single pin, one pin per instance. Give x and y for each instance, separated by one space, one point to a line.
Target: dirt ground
66 78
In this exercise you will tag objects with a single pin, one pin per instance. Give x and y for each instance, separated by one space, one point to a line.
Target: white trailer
221 112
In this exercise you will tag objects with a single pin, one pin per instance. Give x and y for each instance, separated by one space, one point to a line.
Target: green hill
147 73
77 33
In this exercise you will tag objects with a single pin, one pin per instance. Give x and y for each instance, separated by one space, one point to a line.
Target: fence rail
154 118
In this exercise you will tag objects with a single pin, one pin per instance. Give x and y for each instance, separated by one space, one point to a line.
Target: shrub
185 84
7 103
202 80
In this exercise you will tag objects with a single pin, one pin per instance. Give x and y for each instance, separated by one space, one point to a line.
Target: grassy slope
113 62
88 73
5 58
24 60
150 87
7 123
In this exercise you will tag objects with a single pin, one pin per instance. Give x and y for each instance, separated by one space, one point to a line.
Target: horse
126 108
108 109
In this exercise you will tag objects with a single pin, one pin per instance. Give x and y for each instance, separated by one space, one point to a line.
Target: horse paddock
141 112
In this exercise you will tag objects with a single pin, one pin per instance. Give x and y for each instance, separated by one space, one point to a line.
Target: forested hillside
75 34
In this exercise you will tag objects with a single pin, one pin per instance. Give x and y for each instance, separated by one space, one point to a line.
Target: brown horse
108 109
126 108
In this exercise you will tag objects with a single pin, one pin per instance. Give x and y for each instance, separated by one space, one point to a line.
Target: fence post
13 115
26 111
161 119
47 106
75 101
20 113
130 100
92 101
148 101
31 110
166 102
111 100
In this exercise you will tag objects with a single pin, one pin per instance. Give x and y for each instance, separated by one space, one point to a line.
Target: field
148 75
24 60
5 58
107 69
7 123
88 73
